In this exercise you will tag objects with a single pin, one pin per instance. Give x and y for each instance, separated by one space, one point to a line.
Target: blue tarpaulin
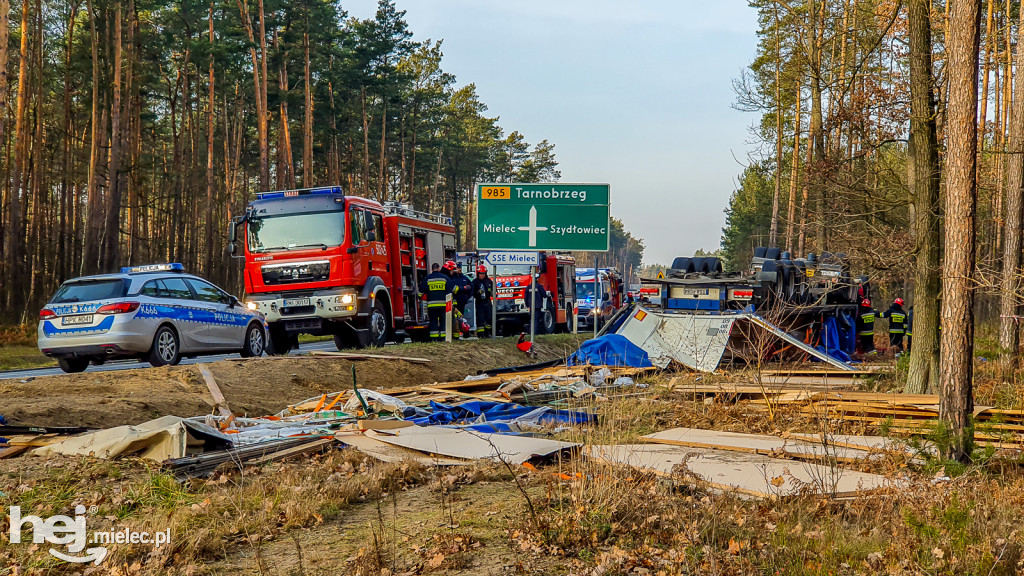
610 350
833 344
500 417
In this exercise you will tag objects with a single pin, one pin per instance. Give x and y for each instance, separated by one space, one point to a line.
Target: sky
634 94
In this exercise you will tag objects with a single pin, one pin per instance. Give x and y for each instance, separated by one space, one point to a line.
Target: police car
156 313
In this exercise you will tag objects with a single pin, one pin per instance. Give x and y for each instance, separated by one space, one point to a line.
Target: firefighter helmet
481 269
450 265
865 303
898 302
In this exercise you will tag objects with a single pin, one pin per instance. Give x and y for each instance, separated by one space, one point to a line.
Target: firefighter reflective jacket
483 288
897 319
436 286
866 323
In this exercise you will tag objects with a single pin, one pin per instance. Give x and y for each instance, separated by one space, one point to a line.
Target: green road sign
543 217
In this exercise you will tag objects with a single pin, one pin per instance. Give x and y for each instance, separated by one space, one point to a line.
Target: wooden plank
755 444
751 474
388 453
471 445
219 402
485 397
361 356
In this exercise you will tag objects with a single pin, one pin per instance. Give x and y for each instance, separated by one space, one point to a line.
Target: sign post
598 303
533 308
448 318
494 302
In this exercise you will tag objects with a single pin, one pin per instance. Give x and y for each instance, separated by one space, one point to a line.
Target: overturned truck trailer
780 309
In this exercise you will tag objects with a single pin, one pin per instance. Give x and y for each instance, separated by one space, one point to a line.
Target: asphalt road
129 364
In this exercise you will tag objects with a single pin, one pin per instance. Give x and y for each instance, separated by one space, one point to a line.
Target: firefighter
897 324
462 291
866 327
483 291
435 288
538 301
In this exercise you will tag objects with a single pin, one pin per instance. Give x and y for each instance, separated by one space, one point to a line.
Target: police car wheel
255 341
72 365
166 349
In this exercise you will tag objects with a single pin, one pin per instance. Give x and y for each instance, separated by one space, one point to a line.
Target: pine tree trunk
957 370
211 222
307 124
773 229
924 181
111 255
15 236
1009 296
91 252
794 176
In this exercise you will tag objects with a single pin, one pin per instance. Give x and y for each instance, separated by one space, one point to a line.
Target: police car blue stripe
191 314
50 330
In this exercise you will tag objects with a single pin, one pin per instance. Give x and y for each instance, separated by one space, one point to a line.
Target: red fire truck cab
320 262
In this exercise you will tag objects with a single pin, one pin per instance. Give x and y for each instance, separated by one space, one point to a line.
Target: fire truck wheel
378 326
279 342
546 322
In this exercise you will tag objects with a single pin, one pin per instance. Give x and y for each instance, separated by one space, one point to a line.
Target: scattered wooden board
756 444
389 453
219 403
750 474
471 445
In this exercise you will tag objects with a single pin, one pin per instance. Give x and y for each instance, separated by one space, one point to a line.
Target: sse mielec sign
543 217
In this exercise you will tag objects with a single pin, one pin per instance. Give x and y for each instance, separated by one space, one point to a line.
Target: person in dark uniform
483 291
897 324
435 288
866 327
537 300
463 289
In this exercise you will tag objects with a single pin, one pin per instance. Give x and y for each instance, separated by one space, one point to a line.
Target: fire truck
556 274
318 261
610 287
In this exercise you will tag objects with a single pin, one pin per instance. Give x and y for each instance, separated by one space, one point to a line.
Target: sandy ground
255 387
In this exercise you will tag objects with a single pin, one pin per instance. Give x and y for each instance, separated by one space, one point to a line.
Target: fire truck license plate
73 320
296 302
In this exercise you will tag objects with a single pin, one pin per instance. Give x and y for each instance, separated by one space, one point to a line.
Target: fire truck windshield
294 231
512 270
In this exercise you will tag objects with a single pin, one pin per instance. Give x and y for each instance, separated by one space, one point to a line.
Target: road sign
502 257
661 274
543 217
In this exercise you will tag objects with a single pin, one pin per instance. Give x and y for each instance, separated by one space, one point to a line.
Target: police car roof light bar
170 267
299 192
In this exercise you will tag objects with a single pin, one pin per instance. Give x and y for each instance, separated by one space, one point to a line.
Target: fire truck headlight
251 306
347 299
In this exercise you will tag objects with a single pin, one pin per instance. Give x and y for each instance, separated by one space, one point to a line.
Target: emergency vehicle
556 274
318 261
589 282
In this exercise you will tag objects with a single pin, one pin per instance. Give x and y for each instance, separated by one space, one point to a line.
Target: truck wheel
683 264
772 253
166 349
280 343
255 341
546 322
378 326
759 252
73 365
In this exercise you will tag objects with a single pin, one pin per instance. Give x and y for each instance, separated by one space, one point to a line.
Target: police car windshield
90 290
584 290
292 231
